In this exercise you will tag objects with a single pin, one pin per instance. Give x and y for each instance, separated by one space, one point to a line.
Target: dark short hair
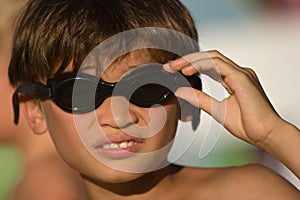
51 34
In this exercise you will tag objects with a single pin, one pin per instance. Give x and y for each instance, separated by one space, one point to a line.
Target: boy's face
119 141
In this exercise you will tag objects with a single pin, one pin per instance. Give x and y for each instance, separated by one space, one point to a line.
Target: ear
34 116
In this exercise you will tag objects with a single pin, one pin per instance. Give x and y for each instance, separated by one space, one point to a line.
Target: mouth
119 147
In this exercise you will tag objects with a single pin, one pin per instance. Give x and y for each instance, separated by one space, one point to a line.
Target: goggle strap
36 89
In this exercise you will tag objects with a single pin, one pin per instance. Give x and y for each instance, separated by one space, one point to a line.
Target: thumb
199 99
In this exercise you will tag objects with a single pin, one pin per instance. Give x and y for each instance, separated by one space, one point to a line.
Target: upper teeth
121 145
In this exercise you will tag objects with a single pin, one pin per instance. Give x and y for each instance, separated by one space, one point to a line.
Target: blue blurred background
262 34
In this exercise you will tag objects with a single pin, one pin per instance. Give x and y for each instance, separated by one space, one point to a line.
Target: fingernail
167 67
179 92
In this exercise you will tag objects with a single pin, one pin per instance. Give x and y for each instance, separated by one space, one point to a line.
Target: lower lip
119 153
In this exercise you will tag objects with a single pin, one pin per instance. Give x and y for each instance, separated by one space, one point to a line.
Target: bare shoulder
49 179
262 182
244 182
257 182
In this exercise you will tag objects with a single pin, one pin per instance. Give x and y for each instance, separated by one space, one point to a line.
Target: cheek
63 131
169 126
57 119
172 109
172 120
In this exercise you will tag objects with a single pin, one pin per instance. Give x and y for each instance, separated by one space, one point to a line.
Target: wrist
283 142
277 135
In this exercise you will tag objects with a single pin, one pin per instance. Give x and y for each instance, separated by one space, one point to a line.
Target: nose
116 112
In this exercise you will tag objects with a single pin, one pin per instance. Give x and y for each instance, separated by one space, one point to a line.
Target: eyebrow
115 70
91 70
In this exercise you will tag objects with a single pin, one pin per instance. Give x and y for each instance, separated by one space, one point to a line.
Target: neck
149 185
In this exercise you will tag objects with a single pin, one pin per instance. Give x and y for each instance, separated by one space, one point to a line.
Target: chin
122 177
111 176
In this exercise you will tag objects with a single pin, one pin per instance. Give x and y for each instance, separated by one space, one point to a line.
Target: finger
200 62
200 100
258 85
215 53
182 62
248 71
218 67
171 67
232 77
234 80
189 59
213 67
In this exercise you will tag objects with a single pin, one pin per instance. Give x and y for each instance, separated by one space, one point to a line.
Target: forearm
284 144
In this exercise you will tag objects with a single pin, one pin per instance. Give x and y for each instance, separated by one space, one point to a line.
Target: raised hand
246 113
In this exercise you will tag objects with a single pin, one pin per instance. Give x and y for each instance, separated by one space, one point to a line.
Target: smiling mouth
123 145
119 150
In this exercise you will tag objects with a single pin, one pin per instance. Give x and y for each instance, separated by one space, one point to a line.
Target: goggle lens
81 93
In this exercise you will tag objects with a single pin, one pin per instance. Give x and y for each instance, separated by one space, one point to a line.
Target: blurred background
261 34
11 162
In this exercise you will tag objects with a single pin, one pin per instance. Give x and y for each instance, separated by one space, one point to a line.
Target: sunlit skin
71 148
103 182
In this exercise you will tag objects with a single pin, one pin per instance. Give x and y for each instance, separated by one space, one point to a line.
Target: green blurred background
10 169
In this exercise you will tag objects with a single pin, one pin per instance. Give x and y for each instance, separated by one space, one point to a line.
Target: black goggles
81 93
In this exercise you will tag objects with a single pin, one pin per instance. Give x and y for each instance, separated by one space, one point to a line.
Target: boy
119 142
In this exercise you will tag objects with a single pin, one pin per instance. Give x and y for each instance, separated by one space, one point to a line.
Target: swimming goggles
80 93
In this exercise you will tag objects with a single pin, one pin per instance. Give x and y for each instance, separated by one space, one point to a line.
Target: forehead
115 70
